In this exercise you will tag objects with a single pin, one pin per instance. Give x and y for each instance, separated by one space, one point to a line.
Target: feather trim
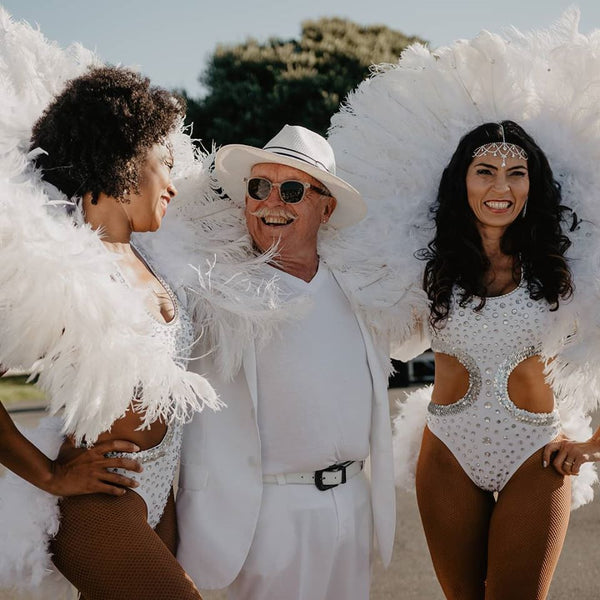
86 336
576 426
408 425
29 519
233 299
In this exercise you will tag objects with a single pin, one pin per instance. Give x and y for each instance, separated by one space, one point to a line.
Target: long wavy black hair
536 241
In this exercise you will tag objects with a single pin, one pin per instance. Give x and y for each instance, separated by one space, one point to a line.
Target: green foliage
256 88
15 392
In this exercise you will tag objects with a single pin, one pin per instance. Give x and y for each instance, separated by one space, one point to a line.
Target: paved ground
411 576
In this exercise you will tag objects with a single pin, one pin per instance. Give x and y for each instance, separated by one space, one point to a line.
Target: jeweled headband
502 149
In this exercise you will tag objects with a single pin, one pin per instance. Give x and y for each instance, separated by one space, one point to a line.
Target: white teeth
272 220
270 216
497 205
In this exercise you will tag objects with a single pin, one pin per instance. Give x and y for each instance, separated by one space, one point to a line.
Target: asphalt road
411 576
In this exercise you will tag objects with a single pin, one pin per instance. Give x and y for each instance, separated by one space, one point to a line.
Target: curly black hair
536 241
97 131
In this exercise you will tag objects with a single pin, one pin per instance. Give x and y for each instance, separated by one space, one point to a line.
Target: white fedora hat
296 147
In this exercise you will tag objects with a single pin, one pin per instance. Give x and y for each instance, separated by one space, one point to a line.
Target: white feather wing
399 128
84 335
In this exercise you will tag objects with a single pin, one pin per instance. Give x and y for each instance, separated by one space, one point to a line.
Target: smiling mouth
498 204
274 218
276 221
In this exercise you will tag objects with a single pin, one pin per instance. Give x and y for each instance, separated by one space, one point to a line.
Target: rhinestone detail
474 381
160 461
160 464
486 432
501 390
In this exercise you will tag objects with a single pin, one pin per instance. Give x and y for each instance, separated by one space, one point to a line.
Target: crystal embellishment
474 382
160 462
488 434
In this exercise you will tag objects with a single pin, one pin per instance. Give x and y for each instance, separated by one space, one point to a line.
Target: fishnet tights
107 550
487 550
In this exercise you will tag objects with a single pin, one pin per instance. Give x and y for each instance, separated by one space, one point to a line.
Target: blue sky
170 40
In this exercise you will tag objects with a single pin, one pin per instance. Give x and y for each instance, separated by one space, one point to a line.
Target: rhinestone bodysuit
488 435
160 461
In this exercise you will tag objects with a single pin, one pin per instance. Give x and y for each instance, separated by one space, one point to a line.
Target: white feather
83 334
29 519
408 425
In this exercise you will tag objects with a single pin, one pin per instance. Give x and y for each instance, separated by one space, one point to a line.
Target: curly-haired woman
104 142
496 276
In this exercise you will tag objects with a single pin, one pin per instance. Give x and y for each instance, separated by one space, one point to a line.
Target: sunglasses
290 191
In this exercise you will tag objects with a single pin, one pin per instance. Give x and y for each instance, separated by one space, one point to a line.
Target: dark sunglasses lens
259 188
292 191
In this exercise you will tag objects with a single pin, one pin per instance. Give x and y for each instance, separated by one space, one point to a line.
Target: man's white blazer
220 484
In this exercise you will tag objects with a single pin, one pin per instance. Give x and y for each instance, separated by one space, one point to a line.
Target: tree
254 89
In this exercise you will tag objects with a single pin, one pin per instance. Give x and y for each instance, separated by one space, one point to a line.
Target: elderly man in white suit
273 501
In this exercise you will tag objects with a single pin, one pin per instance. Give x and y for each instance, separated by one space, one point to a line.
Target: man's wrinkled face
292 227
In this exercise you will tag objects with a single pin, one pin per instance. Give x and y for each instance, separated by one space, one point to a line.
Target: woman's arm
570 455
74 472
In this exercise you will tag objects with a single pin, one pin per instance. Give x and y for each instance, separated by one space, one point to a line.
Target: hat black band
299 156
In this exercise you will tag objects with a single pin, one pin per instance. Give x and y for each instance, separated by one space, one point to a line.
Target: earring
524 211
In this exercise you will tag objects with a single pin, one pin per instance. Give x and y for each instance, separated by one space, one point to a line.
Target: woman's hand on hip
567 456
78 471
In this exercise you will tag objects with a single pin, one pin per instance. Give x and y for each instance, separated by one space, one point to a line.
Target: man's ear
329 207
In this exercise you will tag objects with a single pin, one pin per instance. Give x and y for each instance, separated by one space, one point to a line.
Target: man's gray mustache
264 212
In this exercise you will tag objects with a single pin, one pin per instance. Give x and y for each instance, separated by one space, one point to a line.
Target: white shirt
314 383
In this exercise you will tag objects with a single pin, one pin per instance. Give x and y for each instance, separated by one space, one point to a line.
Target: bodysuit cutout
527 387
486 432
452 380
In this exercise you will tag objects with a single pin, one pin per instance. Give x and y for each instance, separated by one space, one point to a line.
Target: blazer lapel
373 360
249 365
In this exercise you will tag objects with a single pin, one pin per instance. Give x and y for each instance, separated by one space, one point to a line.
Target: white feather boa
234 300
29 518
399 128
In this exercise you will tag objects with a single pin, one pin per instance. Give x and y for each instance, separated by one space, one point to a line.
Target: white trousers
310 545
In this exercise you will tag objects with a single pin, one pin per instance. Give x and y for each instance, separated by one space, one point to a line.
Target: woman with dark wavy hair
496 276
534 243
509 253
